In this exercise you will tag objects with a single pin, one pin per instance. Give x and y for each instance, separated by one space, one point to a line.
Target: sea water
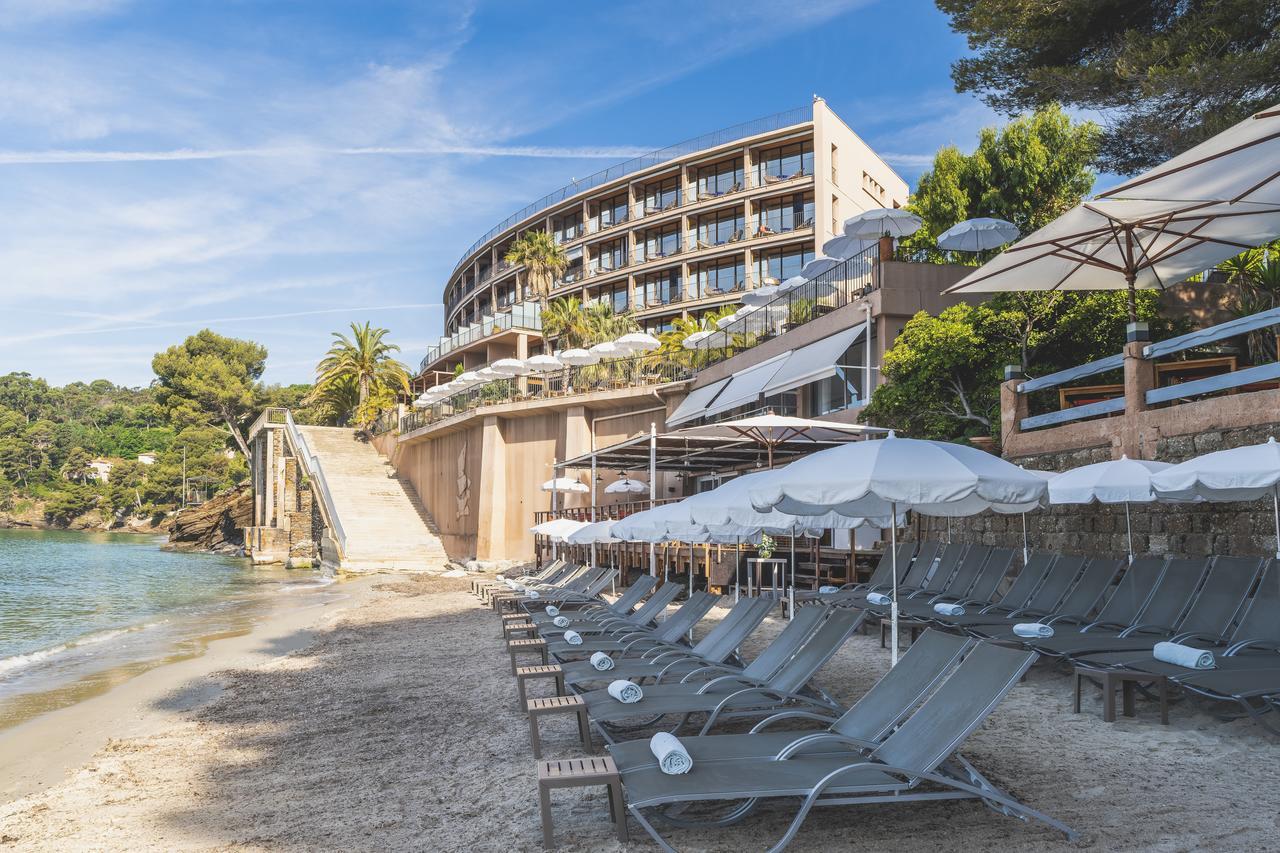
82 612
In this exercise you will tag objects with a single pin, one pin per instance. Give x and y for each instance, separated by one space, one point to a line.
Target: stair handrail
311 466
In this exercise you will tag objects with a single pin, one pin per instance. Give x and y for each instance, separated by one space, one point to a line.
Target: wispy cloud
58 156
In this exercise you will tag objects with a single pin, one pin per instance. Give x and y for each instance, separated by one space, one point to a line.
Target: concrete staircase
386 525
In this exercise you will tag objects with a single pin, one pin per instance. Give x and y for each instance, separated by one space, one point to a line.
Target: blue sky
275 169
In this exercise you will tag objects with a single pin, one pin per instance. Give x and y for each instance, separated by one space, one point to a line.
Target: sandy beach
389 723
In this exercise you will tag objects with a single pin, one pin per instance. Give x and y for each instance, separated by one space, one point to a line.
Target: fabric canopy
747 386
813 362
693 406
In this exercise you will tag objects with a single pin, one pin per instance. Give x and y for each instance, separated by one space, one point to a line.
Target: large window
719 179
573 270
660 288
784 162
662 195
721 278
841 391
611 255
568 227
615 296
780 215
659 327
611 211
715 229
660 242
781 264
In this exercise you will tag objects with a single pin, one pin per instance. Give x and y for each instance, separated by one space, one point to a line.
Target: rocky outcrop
216 525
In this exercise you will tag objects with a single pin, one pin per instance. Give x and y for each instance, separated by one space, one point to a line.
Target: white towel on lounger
947 609
560 622
879 599
573 638
827 590
532 593
552 610
602 661
626 692
1181 655
673 758
1033 630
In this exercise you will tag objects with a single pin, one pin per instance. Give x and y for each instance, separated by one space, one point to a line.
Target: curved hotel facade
673 233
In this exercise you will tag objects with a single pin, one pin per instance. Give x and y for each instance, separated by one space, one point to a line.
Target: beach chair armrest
995 608
706 670
784 716
1216 639
756 693
726 680
1242 645
1075 618
1143 626
821 737
1106 626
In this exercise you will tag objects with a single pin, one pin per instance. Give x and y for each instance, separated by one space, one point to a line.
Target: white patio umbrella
607 349
544 363
693 340
977 235
558 529
796 281
932 477
469 378
626 485
488 374
817 267
1246 473
1122 480
422 402
510 367
873 224
578 357
770 430
638 342
593 533
565 484
845 247
760 296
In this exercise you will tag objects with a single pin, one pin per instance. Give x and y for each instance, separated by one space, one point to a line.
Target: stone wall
1160 528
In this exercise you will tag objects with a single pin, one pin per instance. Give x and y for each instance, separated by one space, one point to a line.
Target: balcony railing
778 121
526 315
635 372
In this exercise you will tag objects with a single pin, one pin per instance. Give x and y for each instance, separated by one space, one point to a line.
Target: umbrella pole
1275 505
737 559
1128 530
948 530
791 593
1026 554
893 606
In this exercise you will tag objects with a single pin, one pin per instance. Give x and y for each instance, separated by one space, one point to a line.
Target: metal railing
649 369
311 467
522 315
767 124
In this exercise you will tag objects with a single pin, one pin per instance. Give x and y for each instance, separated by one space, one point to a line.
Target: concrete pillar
491 505
1139 378
1013 408
522 352
268 479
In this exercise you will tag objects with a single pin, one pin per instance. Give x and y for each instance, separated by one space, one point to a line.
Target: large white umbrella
626 485
760 296
845 247
770 430
872 224
637 342
510 367
593 533
607 349
565 484
578 357
469 378
817 267
1246 473
557 529
977 235
488 374
422 402
693 340
932 477
1116 481
793 283
544 363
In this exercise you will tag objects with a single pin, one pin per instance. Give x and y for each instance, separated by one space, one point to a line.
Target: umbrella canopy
845 247
796 281
817 267
470 377
579 357
488 374
728 506
977 235
565 484
769 430
626 485
544 363
558 529
638 342
692 341
606 350
883 221
649 525
760 296
1122 480
423 402
593 533
510 367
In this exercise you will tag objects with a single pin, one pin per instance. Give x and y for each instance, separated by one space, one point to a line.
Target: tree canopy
543 258
572 324
360 369
211 380
1165 74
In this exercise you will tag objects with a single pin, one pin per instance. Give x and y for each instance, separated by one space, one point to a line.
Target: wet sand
396 729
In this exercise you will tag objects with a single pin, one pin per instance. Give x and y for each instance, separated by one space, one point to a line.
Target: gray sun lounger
737 695
719 645
595 611
918 762
641 619
1019 593
932 560
668 632
1060 578
543 574
976 580
559 572
574 579
880 578
1074 609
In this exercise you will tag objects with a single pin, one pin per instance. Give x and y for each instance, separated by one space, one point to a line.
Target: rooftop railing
525 315
767 124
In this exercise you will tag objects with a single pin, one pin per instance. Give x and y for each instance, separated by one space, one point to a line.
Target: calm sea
81 612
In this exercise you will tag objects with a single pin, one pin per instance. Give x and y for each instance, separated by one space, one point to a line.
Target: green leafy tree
365 360
1166 75
69 503
543 258
76 467
212 380
570 323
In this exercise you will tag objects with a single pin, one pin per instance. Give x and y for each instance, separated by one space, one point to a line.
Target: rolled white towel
573 638
602 661
532 593
673 758
948 609
827 590
560 622
879 599
626 692
501 577
552 610
1033 630
510 583
1180 655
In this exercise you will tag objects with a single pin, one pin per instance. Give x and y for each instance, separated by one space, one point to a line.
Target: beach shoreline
39 752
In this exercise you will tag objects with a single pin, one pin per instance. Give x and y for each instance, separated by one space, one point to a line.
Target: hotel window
659 327
838 392
721 278
611 211
573 271
660 288
835 215
717 229
568 227
780 215
719 179
615 296
782 264
835 164
662 195
785 162
506 296
661 242
611 255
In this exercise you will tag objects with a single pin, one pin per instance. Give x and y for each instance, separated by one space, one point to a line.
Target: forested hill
51 436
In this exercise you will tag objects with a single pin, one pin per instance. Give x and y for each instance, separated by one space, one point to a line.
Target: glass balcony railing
525 315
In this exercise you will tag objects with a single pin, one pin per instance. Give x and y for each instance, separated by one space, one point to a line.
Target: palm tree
364 360
542 256
564 322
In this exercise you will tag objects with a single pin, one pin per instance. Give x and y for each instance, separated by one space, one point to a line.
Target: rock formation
215 525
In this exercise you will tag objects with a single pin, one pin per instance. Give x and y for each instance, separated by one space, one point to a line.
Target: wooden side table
557 705
525 673
1125 679
536 645
580 773
511 629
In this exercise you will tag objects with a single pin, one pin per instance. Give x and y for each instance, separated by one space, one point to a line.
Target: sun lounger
913 573
1060 577
575 586
881 578
557 572
1074 609
548 570
921 750
642 619
976 580
595 611
571 576
634 640
1019 593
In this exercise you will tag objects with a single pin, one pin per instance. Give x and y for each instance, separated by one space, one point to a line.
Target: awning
698 399
813 362
747 386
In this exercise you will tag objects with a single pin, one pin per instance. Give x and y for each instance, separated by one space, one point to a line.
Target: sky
277 169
